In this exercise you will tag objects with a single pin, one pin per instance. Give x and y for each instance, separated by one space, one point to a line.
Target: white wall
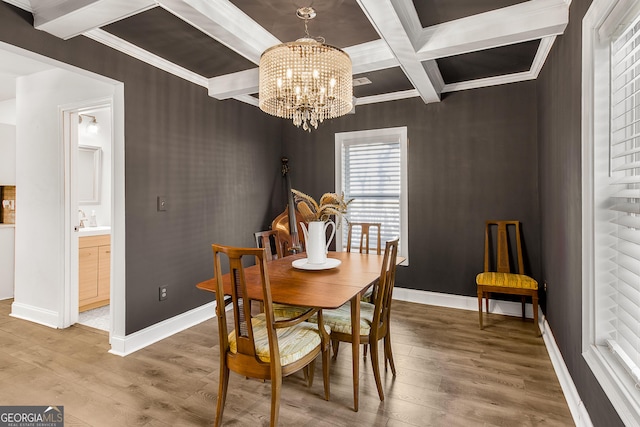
7 154
7 177
8 112
40 221
7 235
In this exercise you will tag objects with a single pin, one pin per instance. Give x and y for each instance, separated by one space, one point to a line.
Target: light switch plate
162 203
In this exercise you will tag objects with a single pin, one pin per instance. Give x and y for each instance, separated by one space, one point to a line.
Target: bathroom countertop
94 231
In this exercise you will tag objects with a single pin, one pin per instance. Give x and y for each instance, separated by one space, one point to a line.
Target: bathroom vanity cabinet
94 271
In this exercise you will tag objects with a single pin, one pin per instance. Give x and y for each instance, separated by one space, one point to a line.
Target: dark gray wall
218 164
559 118
472 157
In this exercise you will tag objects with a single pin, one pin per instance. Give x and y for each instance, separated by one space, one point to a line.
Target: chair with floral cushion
374 317
260 346
497 276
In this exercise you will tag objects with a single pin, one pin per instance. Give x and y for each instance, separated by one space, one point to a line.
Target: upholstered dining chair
374 317
259 346
498 260
270 239
364 236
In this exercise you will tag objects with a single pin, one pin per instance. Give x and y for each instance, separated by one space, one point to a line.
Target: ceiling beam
522 22
370 56
68 18
134 51
392 96
234 84
394 28
224 22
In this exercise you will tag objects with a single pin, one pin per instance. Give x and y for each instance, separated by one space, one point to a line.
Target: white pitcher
315 240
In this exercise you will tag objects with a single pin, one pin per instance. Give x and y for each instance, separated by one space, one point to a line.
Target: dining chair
364 247
259 346
374 318
364 236
498 261
270 239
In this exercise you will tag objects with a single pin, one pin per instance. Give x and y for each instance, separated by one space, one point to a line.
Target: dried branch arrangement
330 204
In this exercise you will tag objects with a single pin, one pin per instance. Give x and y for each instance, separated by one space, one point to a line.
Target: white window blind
371 168
371 176
623 288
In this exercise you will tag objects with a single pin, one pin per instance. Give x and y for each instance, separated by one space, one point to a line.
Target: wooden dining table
326 289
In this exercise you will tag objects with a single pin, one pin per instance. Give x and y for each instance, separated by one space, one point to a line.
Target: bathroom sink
95 231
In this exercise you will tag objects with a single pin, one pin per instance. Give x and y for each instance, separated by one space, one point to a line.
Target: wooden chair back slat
271 240
502 246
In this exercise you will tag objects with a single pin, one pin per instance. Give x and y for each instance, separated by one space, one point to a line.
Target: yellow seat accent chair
497 276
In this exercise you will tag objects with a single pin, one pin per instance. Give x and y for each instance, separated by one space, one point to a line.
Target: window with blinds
371 176
622 321
371 170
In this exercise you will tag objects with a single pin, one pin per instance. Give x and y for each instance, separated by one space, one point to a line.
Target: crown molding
22 4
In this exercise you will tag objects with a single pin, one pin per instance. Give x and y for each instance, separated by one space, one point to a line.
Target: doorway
49 93
93 170
88 140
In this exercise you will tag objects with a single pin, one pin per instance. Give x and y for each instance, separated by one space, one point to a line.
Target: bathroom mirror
89 173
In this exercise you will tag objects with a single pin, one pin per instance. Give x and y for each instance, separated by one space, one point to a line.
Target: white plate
303 264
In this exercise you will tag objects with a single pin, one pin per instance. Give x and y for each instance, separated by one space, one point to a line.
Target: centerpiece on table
318 217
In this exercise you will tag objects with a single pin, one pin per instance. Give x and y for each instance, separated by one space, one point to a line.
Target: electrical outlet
162 293
545 286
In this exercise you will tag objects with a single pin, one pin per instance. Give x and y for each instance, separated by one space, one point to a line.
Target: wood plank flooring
449 374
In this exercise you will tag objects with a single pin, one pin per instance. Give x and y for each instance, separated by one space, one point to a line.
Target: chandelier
306 80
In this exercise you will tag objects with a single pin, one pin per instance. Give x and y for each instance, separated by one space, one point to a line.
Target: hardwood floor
449 374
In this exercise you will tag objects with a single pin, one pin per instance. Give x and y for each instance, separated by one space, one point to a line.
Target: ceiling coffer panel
382 81
171 38
341 22
499 61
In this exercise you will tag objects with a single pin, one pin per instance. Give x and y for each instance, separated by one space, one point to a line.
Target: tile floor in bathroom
97 318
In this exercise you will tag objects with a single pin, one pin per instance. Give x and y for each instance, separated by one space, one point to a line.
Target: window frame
371 136
600 24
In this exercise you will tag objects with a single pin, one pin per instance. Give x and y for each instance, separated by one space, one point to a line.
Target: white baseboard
508 308
128 344
580 415
38 315
578 411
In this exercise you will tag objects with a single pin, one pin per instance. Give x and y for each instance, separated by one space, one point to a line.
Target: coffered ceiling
399 48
